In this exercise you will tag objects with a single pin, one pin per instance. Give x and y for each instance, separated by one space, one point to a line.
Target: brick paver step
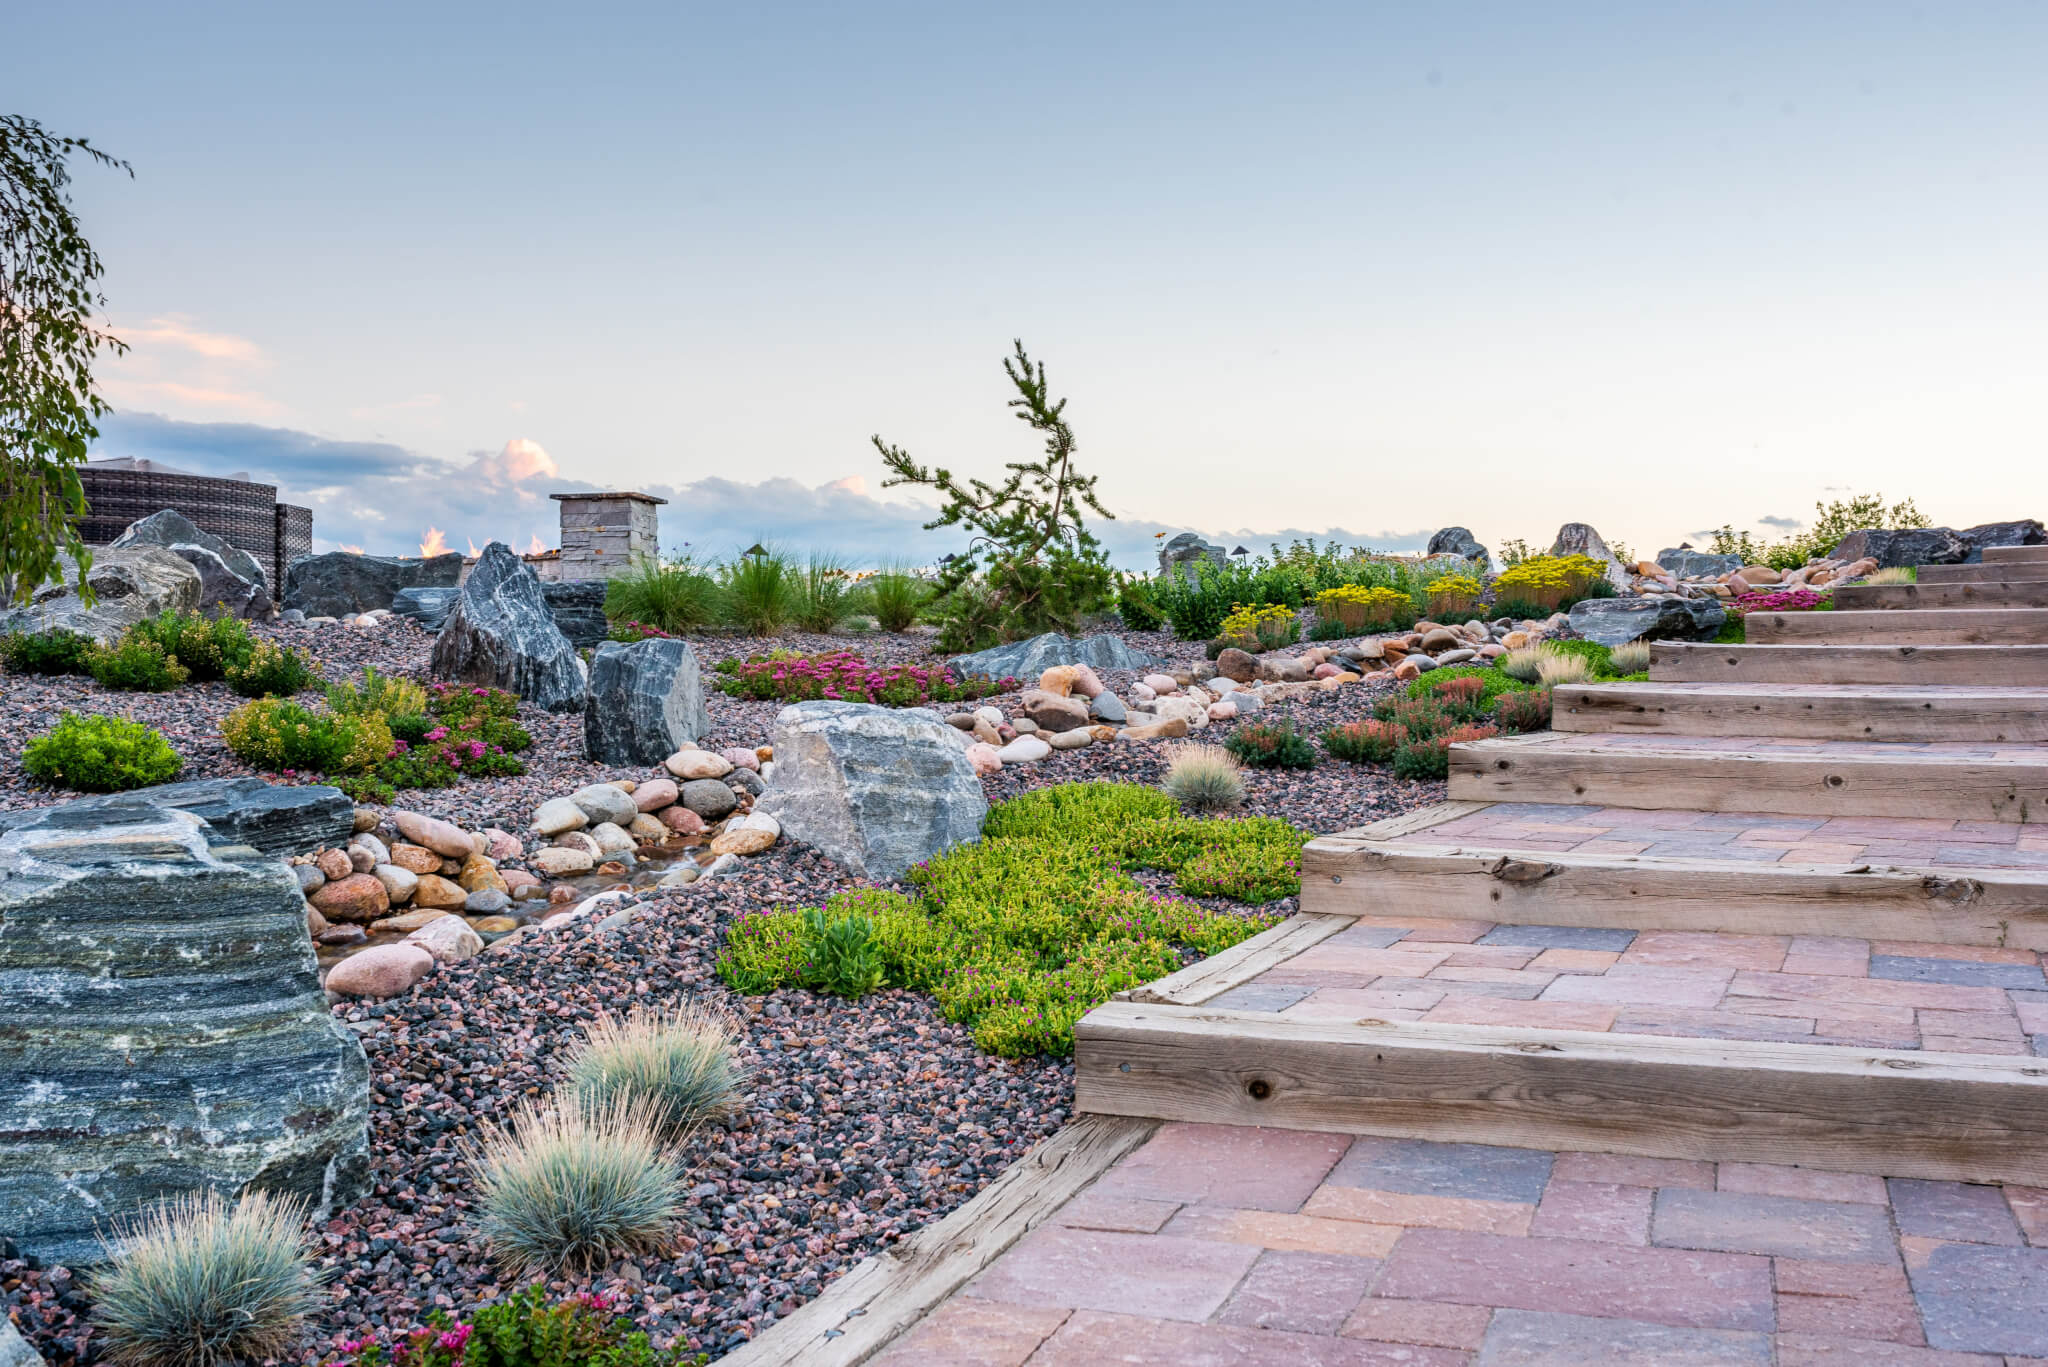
1871 712
2001 593
1975 782
1986 665
1929 626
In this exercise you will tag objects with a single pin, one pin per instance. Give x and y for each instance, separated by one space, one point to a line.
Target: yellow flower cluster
1360 608
1547 580
1454 593
1250 624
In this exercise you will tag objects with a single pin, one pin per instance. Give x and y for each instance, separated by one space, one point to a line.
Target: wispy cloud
177 332
1783 524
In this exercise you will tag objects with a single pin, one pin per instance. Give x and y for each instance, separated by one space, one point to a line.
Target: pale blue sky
1377 267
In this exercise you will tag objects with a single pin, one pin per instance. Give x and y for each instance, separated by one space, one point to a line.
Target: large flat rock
270 818
1026 660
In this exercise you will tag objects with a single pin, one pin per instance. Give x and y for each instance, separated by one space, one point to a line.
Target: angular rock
708 798
603 802
1456 541
1910 546
877 789
1617 621
1182 554
230 580
1238 665
1172 729
162 1028
500 634
1108 707
337 583
577 605
1576 538
2025 532
1030 659
272 818
1686 564
645 701
429 607
131 584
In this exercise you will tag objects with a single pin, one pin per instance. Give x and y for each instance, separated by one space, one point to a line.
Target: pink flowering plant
525 1331
467 731
1786 600
843 676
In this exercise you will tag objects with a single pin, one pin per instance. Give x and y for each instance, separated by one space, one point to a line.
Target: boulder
1617 621
708 798
645 701
444 838
340 583
274 819
2025 532
1030 659
130 584
381 970
162 1028
693 763
1911 546
877 789
1237 665
230 580
1690 564
577 605
1577 538
429 607
1184 553
1457 541
1053 711
500 634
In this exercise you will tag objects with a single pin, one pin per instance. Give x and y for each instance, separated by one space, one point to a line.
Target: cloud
1783 524
385 499
174 331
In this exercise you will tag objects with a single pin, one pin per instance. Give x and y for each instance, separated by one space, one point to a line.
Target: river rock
131 584
646 700
338 583
381 970
651 795
877 789
1691 564
603 802
1070 740
162 1028
444 838
1456 541
1030 659
448 939
230 580
486 902
1053 711
408 921
399 883
501 634
985 758
1024 750
708 798
610 837
557 815
358 897
694 763
438 893
1617 621
750 834
682 820
557 861
1577 538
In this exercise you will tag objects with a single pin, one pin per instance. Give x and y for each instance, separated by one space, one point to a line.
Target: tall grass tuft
823 594
565 1189
378 695
1632 657
676 1066
1564 669
760 592
193 1281
1204 778
898 596
1524 664
1903 574
678 597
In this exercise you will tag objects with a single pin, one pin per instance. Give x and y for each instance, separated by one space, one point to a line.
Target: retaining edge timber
1949 1117
1217 974
1994 908
1928 626
881 1297
2008 555
2000 593
1688 662
1804 712
1978 573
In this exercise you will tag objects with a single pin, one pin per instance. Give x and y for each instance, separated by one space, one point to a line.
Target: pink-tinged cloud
174 331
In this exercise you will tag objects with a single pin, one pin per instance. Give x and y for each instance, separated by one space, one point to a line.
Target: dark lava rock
1698 564
577 606
1617 621
162 1028
270 818
1457 541
2025 532
230 580
427 606
501 634
645 701
338 583
1026 660
1909 546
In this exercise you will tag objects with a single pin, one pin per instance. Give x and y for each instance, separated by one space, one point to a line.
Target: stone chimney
603 533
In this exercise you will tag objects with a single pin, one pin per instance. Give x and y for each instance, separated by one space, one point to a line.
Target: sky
1363 269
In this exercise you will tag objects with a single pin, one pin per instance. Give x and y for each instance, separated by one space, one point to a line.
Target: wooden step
2008 555
1871 712
1905 1113
1978 573
1932 626
1687 662
2001 593
1515 864
1799 778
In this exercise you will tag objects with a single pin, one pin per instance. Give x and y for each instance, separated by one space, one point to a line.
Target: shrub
135 666
760 592
1325 630
1548 583
521 1331
1445 683
1271 745
786 677
377 695
101 755
276 735
271 671
823 594
1431 758
1203 778
1564 669
1361 607
1136 605
45 652
207 646
764 951
676 597
1454 595
676 1067
1629 658
191 1282
1528 710
896 597
1259 627
1365 742
563 1190
845 958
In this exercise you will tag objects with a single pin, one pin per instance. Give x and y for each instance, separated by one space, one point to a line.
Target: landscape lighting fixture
756 549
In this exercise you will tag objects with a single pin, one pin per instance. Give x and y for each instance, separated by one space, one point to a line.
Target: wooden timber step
1930 626
1870 878
1978 573
2000 666
1904 1113
2000 593
1870 712
2011 555
1799 778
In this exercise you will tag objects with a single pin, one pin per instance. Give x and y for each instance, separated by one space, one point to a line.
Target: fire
351 550
435 543
473 551
536 548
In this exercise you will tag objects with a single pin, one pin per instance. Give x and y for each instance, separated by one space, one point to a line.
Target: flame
536 548
435 543
351 550
473 551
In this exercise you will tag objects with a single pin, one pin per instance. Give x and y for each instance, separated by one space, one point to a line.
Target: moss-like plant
100 754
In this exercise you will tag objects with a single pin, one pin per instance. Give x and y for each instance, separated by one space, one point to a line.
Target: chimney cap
608 494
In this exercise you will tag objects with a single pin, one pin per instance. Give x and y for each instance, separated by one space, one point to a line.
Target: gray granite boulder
577 605
1578 538
1026 660
1690 564
131 583
645 701
1182 554
230 580
1666 617
162 1028
271 818
1457 541
338 583
1892 549
429 607
877 789
500 633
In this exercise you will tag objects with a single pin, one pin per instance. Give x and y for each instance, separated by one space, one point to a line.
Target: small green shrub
845 957
45 652
378 695
1330 631
1136 605
896 597
675 1066
101 755
565 1190
278 736
522 1331
206 646
271 671
191 1282
1365 742
136 666
1203 779
1271 745
1528 710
